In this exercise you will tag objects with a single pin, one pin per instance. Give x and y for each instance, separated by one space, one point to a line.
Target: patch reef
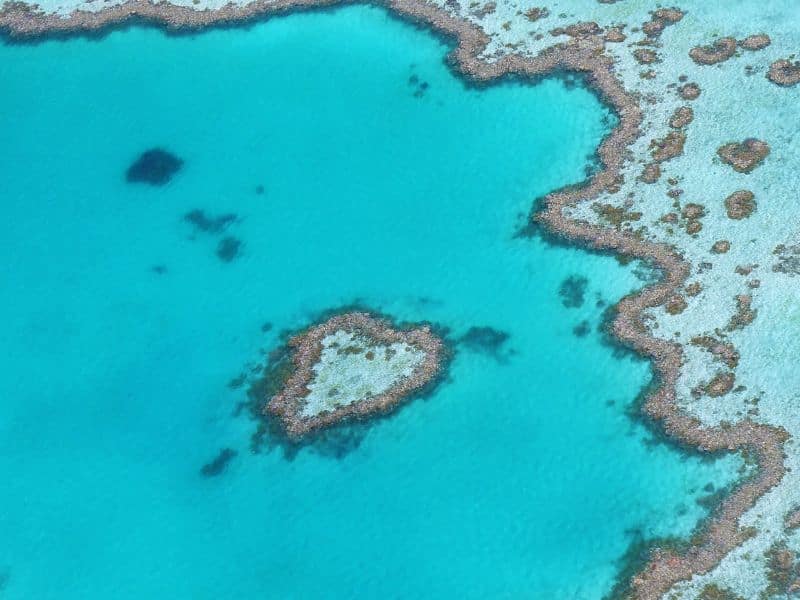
353 366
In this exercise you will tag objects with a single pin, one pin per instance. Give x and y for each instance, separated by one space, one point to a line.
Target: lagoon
359 169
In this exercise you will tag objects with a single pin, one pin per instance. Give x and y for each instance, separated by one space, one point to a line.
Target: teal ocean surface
360 169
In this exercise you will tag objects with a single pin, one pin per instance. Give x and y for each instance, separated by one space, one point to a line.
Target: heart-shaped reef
354 365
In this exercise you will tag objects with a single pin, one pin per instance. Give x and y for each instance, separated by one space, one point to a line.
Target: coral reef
744 156
352 366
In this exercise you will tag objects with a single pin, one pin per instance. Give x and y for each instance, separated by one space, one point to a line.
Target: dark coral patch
486 340
582 329
202 222
218 465
573 291
228 249
154 167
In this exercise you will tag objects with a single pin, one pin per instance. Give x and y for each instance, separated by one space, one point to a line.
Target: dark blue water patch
219 463
573 291
228 249
155 167
159 269
207 224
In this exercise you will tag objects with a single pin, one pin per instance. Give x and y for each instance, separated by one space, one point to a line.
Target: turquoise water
522 476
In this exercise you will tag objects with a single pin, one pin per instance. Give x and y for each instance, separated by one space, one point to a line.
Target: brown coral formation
693 227
486 9
783 575
740 204
792 520
651 173
660 19
693 211
744 156
744 314
689 91
788 259
784 73
668 147
578 30
721 384
694 288
722 351
536 13
675 304
616 215
307 348
645 56
721 247
720 51
615 35
682 116
755 42
714 592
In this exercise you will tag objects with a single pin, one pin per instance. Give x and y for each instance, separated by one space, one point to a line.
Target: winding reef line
722 533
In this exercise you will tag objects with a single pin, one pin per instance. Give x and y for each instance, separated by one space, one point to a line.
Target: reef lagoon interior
308 163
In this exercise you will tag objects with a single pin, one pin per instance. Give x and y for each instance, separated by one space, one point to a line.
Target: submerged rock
154 167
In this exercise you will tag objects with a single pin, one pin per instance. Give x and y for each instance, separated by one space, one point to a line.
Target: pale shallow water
522 476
